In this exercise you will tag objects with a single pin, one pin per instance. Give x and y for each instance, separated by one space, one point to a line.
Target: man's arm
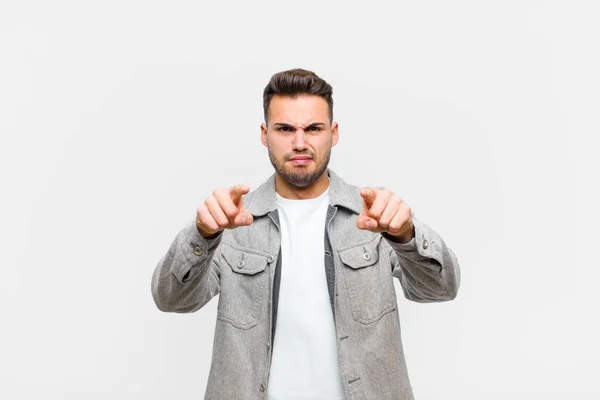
428 270
188 275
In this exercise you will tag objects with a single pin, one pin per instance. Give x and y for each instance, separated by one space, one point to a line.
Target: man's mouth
300 160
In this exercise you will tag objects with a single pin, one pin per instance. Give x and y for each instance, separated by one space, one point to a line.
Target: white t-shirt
305 359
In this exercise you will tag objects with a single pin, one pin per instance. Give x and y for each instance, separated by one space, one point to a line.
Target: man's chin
300 177
303 169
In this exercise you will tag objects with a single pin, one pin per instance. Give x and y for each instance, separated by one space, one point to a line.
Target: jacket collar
263 200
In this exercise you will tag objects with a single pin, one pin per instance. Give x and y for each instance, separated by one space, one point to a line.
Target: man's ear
334 134
263 134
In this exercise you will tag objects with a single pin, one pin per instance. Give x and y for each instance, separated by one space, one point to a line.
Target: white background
118 118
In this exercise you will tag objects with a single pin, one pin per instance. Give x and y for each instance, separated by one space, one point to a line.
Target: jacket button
425 244
240 264
270 259
367 256
198 251
262 387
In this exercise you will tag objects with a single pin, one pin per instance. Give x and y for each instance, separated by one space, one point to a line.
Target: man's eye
284 129
315 128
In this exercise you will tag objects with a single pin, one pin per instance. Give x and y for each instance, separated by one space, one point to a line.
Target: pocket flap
361 255
244 261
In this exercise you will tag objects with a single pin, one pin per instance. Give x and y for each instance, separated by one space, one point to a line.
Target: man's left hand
385 212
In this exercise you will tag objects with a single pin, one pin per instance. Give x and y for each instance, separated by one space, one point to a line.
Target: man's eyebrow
291 126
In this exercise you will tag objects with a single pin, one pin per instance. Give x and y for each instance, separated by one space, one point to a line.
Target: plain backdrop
119 118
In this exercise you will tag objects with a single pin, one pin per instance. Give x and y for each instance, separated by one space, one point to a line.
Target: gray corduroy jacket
243 265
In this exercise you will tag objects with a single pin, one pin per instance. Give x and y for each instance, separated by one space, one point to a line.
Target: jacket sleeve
188 275
427 269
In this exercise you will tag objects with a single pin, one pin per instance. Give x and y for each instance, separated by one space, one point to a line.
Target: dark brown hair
296 82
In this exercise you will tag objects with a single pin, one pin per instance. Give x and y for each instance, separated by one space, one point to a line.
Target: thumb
243 218
365 223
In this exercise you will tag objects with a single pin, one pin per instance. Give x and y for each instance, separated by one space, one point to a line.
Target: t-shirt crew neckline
295 202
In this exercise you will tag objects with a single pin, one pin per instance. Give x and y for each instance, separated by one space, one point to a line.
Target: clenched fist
385 212
223 210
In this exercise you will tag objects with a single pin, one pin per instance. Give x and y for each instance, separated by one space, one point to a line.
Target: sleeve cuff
426 243
408 246
195 249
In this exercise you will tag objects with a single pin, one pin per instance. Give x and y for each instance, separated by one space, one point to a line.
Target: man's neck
287 191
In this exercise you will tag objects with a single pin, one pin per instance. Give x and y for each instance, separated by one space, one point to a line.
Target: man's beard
301 179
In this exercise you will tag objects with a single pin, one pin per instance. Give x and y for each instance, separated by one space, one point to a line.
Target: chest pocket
368 277
244 286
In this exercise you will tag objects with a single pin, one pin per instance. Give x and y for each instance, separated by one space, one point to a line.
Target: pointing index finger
368 196
237 192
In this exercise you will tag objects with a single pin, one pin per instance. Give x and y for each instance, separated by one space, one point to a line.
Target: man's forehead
300 110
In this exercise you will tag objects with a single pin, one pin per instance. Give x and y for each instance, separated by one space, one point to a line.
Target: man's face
299 138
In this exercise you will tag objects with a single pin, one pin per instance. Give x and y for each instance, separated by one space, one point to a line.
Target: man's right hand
223 210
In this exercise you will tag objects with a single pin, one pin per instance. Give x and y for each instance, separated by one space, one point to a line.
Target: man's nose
299 142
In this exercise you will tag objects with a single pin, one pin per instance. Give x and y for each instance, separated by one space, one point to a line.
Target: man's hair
296 82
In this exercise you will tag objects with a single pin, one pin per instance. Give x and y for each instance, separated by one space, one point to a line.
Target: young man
304 267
